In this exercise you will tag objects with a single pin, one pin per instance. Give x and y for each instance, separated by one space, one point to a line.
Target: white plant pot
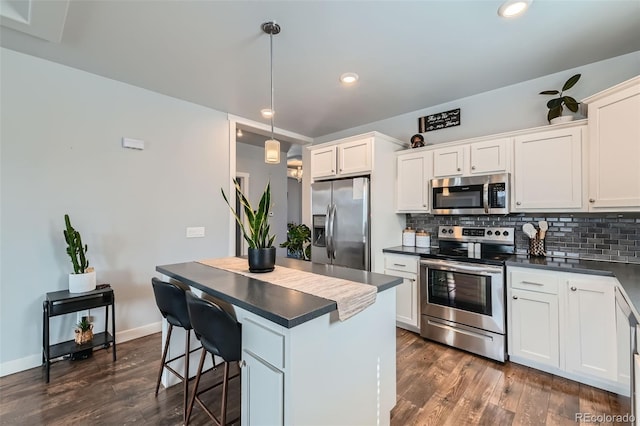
79 283
562 119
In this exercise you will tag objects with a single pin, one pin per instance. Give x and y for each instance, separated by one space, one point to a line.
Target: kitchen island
301 364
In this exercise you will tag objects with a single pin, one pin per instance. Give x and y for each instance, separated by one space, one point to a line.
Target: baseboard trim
32 361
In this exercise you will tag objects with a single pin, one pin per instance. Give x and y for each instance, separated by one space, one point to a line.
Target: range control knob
497 233
450 231
444 231
489 233
505 233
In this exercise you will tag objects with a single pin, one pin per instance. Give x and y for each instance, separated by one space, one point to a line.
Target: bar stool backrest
218 331
172 303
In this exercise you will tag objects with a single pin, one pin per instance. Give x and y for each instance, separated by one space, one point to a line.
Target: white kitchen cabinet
489 156
412 183
354 157
548 170
262 373
323 162
342 159
264 387
477 158
590 328
534 317
407 293
565 324
449 161
614 148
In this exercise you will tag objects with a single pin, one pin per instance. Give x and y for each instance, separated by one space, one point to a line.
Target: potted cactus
262 253
83 277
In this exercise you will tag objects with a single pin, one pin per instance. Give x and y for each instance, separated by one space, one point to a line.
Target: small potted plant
555 104
83 331
262 253
298 241
83 277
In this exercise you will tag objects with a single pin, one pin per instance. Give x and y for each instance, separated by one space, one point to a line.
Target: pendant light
272 146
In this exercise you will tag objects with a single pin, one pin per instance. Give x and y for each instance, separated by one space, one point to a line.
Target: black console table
63 302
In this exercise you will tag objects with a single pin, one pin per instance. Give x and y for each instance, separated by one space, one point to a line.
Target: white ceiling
409 54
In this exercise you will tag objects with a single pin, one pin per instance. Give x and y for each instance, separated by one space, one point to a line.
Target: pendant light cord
271 62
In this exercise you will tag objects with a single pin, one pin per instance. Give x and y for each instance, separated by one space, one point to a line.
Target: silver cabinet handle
458 168
573 288
515 297
242 363
518 203
531 283
399 264
472 168
591 200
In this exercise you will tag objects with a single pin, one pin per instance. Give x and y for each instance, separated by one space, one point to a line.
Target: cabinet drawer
398 262
263 342
533 281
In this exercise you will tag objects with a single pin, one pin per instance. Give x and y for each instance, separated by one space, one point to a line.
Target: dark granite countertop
627 274
275 303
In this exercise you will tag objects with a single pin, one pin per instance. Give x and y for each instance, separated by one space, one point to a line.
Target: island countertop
278 304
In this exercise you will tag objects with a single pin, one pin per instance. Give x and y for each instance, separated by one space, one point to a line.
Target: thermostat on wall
132 143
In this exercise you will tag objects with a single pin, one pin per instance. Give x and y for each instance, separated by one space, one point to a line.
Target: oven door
464 293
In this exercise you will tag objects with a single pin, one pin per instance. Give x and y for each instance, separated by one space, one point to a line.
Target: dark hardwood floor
437 385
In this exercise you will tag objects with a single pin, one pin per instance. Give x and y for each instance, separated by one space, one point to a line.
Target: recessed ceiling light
349 78
266 113
513 8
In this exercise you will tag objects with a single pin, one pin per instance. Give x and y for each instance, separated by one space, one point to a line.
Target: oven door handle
483 270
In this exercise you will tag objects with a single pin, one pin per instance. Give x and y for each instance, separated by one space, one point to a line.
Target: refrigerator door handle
334 209
327 231
365 226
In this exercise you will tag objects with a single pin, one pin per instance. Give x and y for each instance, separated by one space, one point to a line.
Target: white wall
250 159
60 152
509 108
294 201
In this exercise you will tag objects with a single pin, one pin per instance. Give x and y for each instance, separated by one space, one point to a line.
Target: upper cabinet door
614 142
547 173
323 162
490 156
354 157
412 184
449 161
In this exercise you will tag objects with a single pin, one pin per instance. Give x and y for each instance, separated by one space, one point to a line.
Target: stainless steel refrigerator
340 234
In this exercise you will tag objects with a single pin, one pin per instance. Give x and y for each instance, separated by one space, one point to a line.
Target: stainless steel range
462 287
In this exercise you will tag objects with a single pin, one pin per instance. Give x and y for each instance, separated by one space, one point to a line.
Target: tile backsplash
614 237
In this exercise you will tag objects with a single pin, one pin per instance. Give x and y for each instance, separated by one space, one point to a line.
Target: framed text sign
442 120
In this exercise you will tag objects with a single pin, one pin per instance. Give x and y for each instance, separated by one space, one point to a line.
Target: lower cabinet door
407 303
262 392
591 347
534 331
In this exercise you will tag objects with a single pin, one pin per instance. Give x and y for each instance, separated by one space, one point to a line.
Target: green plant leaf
550 92
554 103
569 84
554 112
571 103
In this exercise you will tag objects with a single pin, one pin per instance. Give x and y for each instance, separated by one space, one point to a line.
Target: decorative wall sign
439 121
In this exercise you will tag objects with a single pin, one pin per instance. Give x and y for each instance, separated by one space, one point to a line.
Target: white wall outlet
195 232
132 143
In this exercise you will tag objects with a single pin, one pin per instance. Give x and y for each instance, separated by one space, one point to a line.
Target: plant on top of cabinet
555 104
83 277
262 253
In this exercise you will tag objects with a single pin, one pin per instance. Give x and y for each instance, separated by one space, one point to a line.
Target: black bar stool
172 303
221 335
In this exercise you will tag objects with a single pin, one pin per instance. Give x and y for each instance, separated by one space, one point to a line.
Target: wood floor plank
436 385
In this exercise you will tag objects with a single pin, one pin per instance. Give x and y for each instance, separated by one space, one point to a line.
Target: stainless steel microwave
471 195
